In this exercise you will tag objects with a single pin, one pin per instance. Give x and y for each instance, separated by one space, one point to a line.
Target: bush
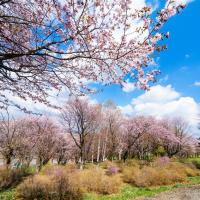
196 163
133 163
95 180
162 161
62 182
162 172
54 169
188 169
111 170
11 177
37 187
159 176
56 184
149 176
105 164
128 173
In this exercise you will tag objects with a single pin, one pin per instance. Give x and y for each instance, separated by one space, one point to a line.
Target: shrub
11 177
128 173
56 184
95 180
66 188
196 163
158 175
133 163
149 176
188 169
53 169
37 187
89 166
111 170
162 161
105 164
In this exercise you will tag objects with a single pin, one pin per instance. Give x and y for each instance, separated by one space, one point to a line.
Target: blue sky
176 92
179 64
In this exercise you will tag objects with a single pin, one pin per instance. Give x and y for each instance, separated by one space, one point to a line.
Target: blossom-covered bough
49 44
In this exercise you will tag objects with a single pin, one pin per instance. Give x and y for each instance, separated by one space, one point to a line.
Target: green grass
127 192
130 192
8 194
195 158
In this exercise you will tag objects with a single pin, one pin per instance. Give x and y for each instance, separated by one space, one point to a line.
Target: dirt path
191 193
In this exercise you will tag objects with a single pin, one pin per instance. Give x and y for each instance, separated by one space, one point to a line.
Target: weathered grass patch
129 192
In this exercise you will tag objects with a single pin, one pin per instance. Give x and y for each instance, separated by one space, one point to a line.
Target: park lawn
127 192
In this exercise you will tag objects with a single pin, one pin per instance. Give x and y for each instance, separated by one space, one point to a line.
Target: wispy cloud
197 83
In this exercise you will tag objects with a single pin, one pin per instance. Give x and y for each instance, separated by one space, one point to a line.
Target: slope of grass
127 192
130 192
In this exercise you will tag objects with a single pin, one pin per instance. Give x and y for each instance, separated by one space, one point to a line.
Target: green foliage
196 162
160 151
8 195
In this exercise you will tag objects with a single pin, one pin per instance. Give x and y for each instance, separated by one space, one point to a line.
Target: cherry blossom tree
25 151
45 134
48 44
183 143
17 139
65 149
80 119
143 135
112 129
8 137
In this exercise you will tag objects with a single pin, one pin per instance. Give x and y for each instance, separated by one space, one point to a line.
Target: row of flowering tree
91 133
101 132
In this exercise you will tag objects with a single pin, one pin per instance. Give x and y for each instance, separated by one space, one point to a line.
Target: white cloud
178 2
55 99
183 1
157 94
197 83
128 87
36 107
128 109
163 101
